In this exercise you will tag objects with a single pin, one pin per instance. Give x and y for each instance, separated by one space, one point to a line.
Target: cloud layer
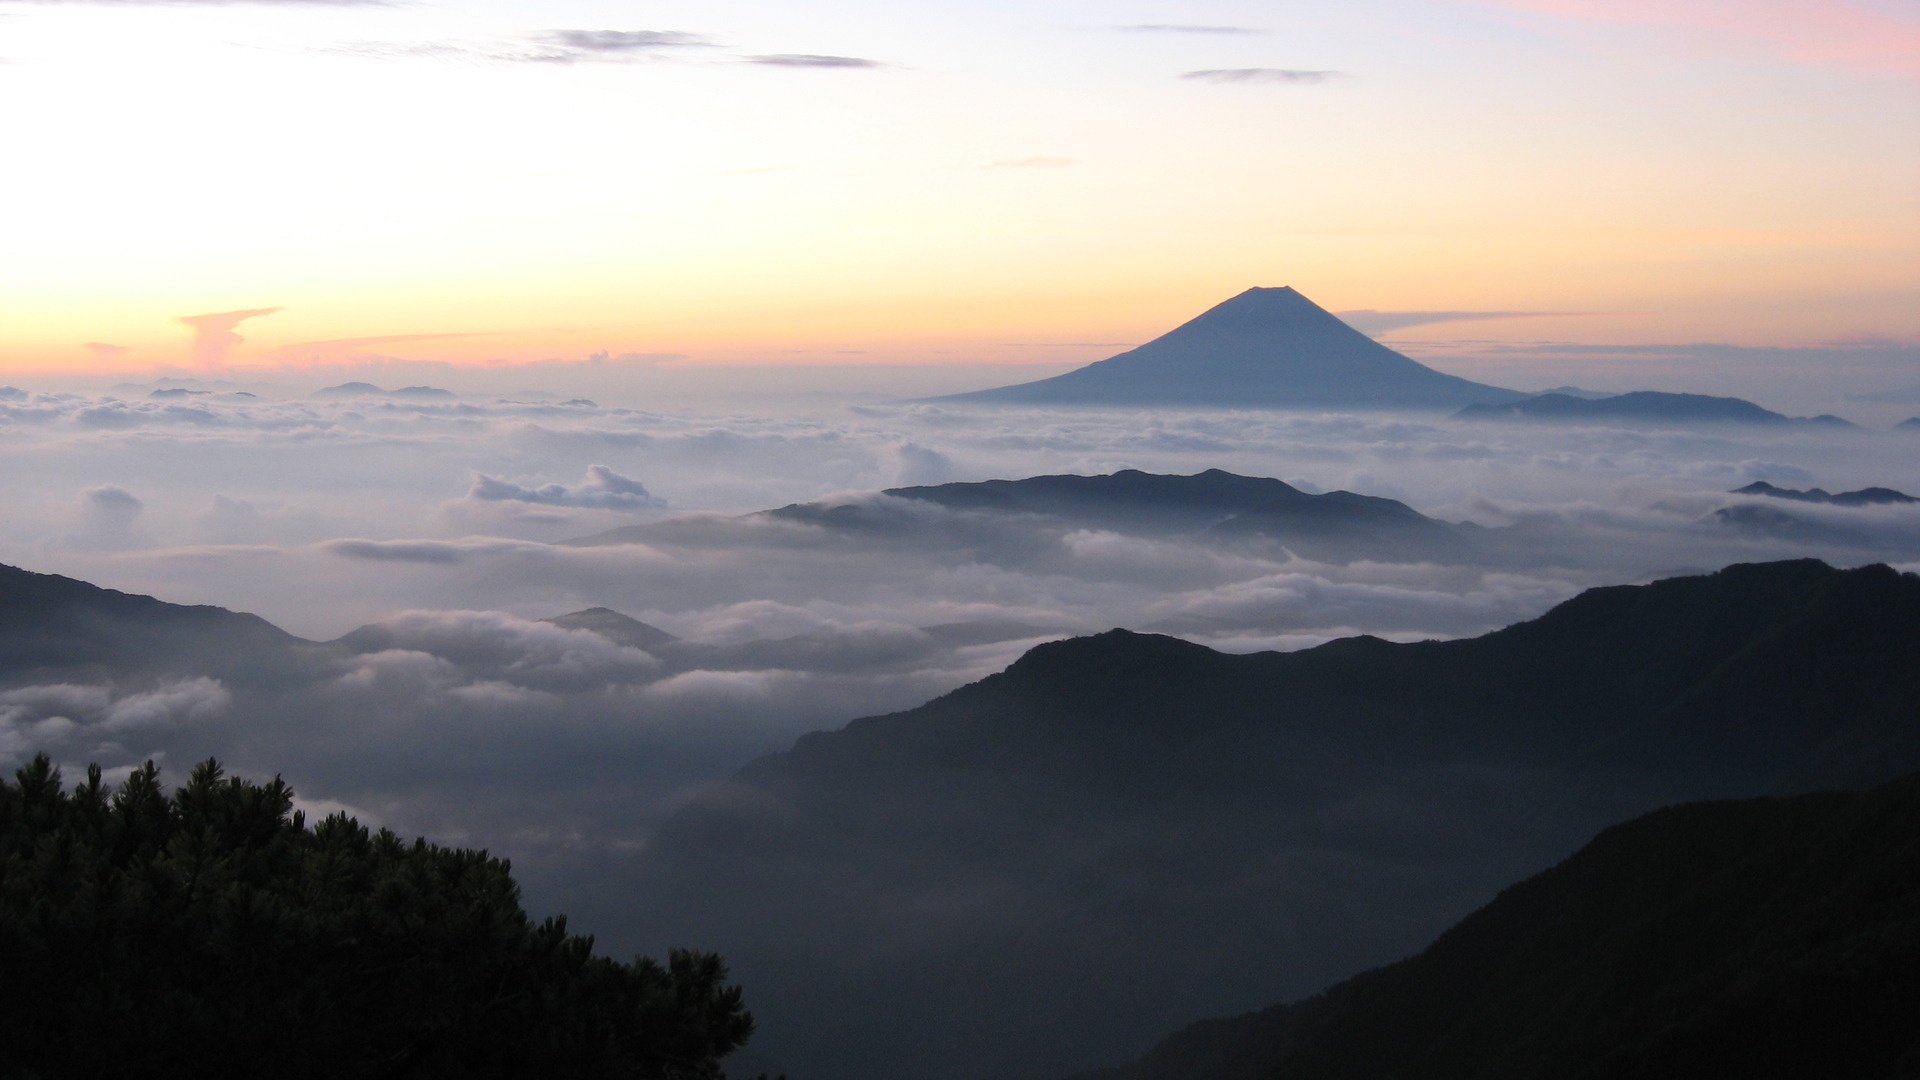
437 533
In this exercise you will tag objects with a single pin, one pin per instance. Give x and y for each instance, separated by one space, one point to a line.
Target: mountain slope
1024 876
52 626
1765 938
1266 348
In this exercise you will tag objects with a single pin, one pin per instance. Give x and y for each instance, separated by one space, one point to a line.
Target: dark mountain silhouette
55 627
1336 525
1266 348
1640 406
1122 833
1340 526
1127 497
350 389
1872 496
1912 423
1575 391
615 627
1763 938
1772 521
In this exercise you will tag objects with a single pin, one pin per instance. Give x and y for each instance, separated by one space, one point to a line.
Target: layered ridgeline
1266 348
1872 496
1124 833
1215 504
1764 938
1641 407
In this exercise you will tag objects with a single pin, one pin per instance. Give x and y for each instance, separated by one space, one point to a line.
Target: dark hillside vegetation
1151 832
210 932
1761 938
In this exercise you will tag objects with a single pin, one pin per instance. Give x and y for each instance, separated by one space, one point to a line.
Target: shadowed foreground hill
1124 833
1767 938
213 934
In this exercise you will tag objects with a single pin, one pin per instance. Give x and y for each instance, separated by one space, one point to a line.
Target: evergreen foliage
212 933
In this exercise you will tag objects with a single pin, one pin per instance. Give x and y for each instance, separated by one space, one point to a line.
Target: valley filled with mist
594 637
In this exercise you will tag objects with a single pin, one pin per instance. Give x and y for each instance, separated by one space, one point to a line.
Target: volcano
1266 348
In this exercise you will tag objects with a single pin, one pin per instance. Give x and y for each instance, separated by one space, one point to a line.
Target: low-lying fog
445 520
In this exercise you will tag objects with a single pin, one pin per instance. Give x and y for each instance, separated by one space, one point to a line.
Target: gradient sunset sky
489 180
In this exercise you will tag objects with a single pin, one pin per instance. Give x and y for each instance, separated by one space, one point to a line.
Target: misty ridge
1390 641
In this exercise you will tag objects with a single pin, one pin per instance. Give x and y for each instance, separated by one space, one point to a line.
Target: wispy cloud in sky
1262 75
813 60
1375 323
603 488
624 42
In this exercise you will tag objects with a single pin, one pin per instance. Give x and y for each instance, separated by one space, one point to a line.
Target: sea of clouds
448 525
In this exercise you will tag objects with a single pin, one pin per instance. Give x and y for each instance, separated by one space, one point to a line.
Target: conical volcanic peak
1265 348
1267 307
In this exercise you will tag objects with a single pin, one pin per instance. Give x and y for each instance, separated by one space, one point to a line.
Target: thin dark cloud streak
1295 76
1375 323
625 41
564 47
813 60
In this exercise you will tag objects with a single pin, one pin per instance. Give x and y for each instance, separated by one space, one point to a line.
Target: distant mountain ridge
1873 496
1265 348
1645 406
61 627
366 389
1094 842
1760 939
1337 525
615 627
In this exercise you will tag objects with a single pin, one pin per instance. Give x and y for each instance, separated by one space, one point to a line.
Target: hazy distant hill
1642 406
1335 526
615 627
57 627
1266 348
1768 519
1911 423
1766 938
366 389
1123 833
1873 496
